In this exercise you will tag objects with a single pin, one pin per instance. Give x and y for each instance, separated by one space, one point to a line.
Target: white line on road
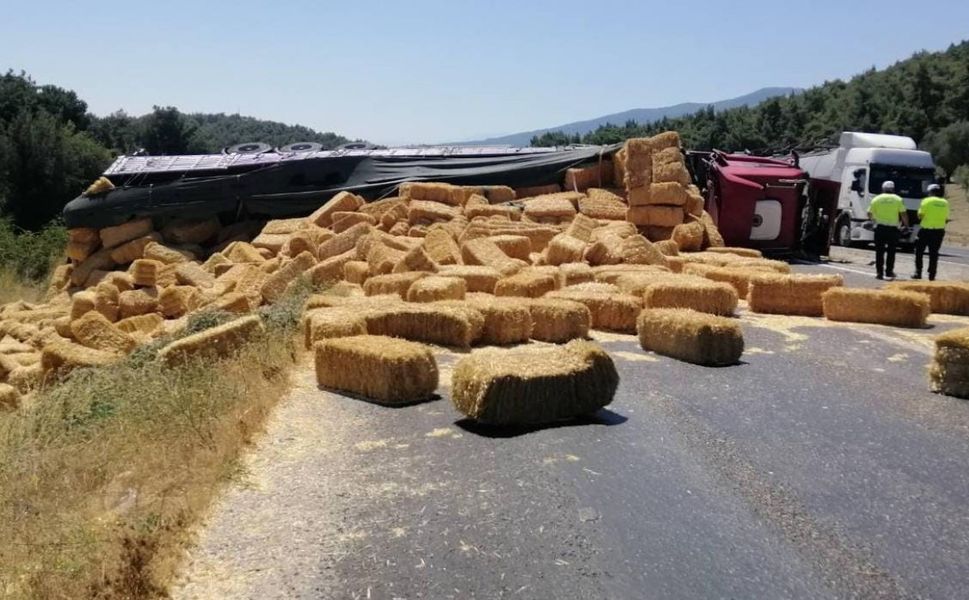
838 267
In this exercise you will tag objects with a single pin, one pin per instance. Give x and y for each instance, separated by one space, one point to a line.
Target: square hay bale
711 235
637 163
191 231
379 208
515 246
342 202
275 285
177 300
668 247
106 300
305 240
580 179
670 172
495 194
83 234
691 336
441 247
443 193
529 386
61 357
573 273
243 252
250 283
744 252
271 242
552 206
527 284
436 287
99 261
395 283
605 250
284 226
582 227
600 207
564 248
506 321
655 215
345 220
82 303
620 229
137 302
635 282
478 206
738 278
537 190
343 241
594 286
689 236
416 259
144 324
947 297
540 235
166 255
619 167
419 211
330 270
694 201
233 302
558 321
483 251
637 250
382 258
133 250
657 234
379 368
95 331
664 156
885 307
776 293
216 342
119 234
478 278
193 274
356 271
696 293
328 323
611 312
418 231
454 326
949 370
667 139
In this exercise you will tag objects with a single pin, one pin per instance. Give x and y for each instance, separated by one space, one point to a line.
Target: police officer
933 214
886 210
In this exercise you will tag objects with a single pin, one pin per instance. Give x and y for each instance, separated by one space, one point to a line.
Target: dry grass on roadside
101 477
13 287
957 231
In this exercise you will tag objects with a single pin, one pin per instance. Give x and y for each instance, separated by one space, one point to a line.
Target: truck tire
842 232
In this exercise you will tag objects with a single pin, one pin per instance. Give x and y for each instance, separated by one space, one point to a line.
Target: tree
167 131
949 146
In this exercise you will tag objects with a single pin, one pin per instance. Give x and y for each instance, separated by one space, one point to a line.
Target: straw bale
345 220
137 302
540 235
483 251
331 269
744 252
342 202
495 194
376 238
446 325
60 277
271 242
697 293
436 287
558 321
395 218
327 323
426 210
528 284
656 216
582 227
694 201
146 324
106 300
165 254
620 229
670 154
477 277
537 190
886 307
612 312
949 370
668 247
637 250
554 206
657 234
78 251
233 302
95 331
379 208
82 303
600 207
99 261
479 206
305 240
119 234
215 342
379 368
83 234
582 178
134 249
711 235
382 258
60 357
573 273
777 293
737 277
343 241
947 297
356 271
284 226
176 300
605 250
250 282
691 336
635 282
529 386
417 231
564 248
441 247
637 162
62 326
689 236
9 397
25 379
593 286
515 246
416 259
395 283
243 252
197 231
272 265
670 172
191 273
276 284
442 193
506 321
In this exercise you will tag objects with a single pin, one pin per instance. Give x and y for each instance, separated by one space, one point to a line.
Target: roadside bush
961 177
30 255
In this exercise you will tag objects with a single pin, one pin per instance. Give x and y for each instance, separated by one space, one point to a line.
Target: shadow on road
603 416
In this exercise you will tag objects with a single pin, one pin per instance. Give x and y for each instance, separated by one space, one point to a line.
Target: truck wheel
842 234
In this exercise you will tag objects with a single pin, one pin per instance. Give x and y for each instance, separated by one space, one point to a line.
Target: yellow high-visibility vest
886 208
934 212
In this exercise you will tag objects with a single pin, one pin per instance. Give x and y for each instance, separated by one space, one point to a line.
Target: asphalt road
821 467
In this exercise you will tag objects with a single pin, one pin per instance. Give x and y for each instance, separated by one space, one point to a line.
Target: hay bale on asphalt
137 302
610 312
142 324
342 202
691 336
515 246
379 368
416 259
478 278
689 236
61 357
737 277
655 215
564 249
527 284
394 283
573 273
436 287
327 323
558 321
947 297
356 271
441 247
119 234
696 293
95 331
744 252
775 293
506 320
455 326
530 386
177 300
330 270
949 370
885 307
482 251
216 342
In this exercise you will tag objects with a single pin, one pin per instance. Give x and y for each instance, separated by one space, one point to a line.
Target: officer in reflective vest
933 215
886 210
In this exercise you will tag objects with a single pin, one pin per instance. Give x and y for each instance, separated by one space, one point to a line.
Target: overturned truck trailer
274 185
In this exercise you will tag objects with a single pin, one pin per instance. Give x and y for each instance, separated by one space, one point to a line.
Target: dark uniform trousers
886 238
932 240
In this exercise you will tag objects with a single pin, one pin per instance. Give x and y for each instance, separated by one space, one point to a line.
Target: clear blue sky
436 70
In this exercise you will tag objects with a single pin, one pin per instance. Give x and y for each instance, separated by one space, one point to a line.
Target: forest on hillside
925 97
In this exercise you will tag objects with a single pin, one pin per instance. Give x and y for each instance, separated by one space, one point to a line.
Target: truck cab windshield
910 182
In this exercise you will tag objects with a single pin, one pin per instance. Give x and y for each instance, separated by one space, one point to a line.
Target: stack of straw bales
949 371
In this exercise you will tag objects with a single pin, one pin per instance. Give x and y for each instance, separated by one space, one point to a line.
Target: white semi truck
846 178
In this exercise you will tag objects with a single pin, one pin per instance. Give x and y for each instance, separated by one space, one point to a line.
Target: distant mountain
640 115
